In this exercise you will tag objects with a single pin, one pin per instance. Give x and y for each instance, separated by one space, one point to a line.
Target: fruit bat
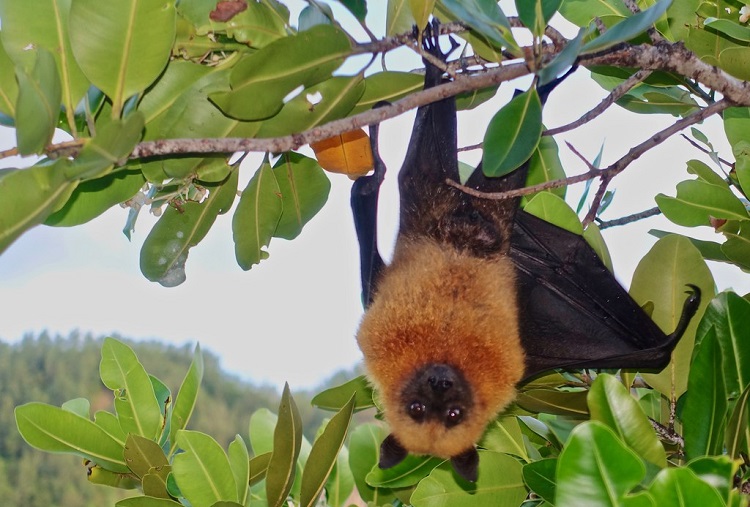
479 296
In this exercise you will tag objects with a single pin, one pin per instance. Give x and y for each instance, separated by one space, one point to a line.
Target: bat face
441 345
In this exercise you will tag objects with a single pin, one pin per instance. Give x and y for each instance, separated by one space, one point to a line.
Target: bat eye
453 416
417 410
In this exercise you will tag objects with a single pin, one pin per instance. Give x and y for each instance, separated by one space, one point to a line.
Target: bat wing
574 313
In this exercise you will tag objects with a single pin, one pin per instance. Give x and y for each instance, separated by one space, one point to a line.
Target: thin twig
518 192
668 435
610 99
471 147
629 218
707 152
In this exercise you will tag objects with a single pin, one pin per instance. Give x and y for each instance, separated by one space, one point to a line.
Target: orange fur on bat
436 304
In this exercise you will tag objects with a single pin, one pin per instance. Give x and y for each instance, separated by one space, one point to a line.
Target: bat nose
440 377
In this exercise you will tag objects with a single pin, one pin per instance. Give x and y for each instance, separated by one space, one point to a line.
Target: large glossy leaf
484 17
261 80
610 403
388 86
186 396
256 217
111 426
682 487
111 146
323 454
596 468
117 47
715 47
500 482
504 435
30 196
340 483
364 445
202 471
398 17
535 14
38 105
304 188
582 12
43 24
336 398
737 435
287 441
135 402
167 246
628 28
545 165
555 210
239 461
53 429
512 134
539 476
177 78
729 315
718 471
661 277
728 27
332 99
421 11
257 26
147 501
8 84
93 197
142 454
551 401
258 467
563 60
405 474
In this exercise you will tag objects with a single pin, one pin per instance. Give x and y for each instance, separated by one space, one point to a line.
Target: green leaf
512 134
155 482
737 435
356 7
728 27
257 26
705 173
186 397
551 401
661 277
262 425
582 12
323 455
203 472
729 315
340 483
338 96
388 86
484 17
38 106
111 146
91 198
545 165
142 454
117 47
596 468
364 446
336 398
55 430
8 83
539 476
256 217
500 482
108 422
553 209
98 475
564 59
304 189
287 441
504 435
79 406
398 17
718 471
628 28
680 486
167 246
610 403
405 474
261 80
536 14
147 501
239 461
36 192
258 467
41 24
474 98
421 11
135 402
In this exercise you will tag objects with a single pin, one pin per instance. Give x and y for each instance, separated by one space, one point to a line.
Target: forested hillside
54 370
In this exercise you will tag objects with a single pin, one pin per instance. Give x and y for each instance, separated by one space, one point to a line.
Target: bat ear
466 464
391 452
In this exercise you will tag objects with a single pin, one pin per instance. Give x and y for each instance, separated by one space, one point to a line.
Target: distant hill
56 369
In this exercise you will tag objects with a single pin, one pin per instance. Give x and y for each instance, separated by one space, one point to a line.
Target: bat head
441 345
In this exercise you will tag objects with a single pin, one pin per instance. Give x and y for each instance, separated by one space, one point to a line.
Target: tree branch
610 99
629 218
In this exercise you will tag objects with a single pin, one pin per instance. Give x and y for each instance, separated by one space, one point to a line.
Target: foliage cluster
126 93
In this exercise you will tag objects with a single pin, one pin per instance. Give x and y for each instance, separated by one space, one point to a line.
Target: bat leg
466 464
689 308
391 452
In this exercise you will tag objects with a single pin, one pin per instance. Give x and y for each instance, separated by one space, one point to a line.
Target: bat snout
440 377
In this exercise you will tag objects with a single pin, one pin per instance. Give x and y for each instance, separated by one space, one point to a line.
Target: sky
293 318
